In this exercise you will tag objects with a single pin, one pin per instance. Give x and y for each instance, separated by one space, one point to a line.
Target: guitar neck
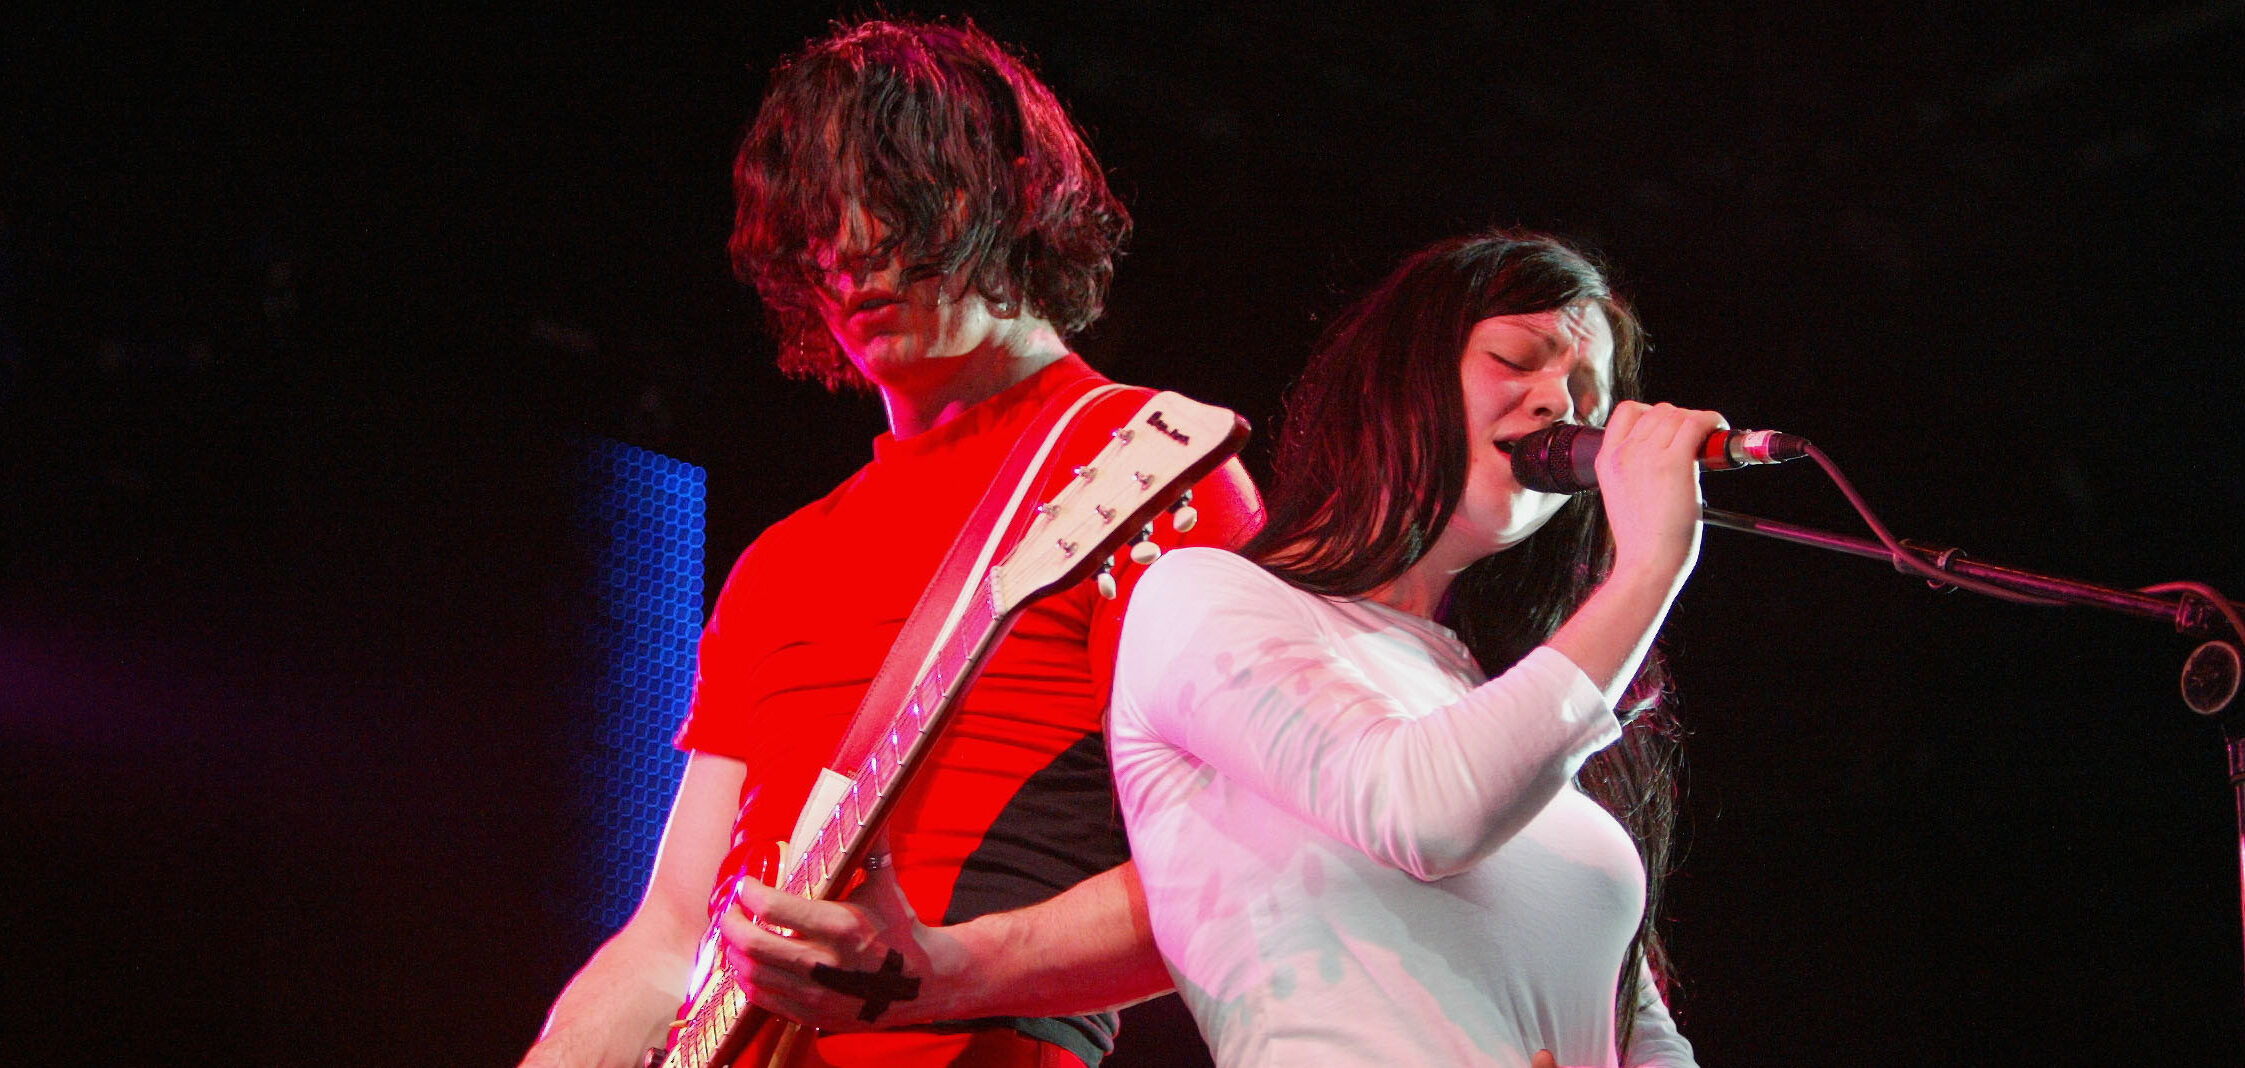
822 864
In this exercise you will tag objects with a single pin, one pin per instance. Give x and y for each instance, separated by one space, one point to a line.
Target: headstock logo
1154 420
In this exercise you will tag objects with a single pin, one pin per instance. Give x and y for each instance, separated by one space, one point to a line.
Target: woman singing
1357 846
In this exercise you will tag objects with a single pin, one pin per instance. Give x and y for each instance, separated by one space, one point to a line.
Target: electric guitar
1152 458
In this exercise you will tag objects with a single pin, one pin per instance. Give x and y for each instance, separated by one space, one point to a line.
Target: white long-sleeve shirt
1356 850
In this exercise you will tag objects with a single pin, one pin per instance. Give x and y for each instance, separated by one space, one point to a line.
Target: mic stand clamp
1937 555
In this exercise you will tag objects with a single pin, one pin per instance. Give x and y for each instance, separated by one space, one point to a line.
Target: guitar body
1049 521
765 1042
775 1043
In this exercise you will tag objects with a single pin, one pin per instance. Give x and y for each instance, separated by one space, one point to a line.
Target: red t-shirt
1015 802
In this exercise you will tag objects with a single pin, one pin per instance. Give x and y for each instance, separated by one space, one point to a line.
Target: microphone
1560 457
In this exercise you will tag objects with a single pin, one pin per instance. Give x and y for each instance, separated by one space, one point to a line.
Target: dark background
305 319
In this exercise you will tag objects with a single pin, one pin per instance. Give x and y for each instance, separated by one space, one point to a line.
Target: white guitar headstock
1150 462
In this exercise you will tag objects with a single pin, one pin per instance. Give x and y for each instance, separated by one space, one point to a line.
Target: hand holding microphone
1647 462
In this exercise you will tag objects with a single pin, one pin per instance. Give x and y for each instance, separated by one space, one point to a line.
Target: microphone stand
2210 674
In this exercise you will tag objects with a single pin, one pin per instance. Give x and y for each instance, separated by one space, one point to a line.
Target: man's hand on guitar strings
843 966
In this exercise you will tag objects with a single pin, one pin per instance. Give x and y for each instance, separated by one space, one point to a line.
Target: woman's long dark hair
953 143
1371 464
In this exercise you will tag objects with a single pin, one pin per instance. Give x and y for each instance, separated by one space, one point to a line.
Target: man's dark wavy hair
955 146
1371 464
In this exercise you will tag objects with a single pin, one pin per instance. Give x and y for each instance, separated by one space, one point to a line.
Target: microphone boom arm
2191 615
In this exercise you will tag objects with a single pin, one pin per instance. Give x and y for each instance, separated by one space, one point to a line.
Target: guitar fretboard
820 868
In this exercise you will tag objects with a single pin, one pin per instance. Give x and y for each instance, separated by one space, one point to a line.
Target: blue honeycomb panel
647 514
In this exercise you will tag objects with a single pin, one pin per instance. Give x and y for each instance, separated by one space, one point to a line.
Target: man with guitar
922 219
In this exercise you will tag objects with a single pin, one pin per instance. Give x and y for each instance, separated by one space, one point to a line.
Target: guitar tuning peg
1107 588
1143 551
1182 515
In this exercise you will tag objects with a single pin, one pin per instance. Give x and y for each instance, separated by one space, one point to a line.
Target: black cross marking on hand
879 989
